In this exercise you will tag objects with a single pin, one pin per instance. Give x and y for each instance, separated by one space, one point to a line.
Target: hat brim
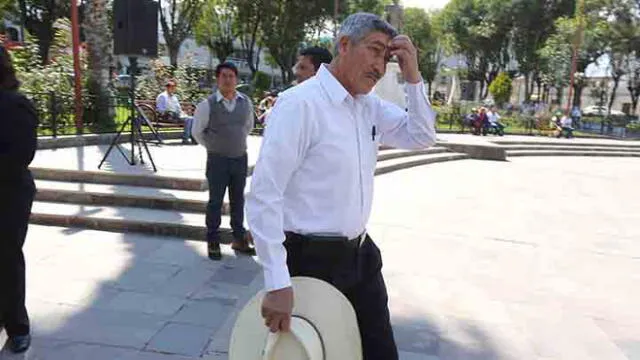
328 310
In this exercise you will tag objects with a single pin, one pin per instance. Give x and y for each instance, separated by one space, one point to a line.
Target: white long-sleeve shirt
315 171
168 102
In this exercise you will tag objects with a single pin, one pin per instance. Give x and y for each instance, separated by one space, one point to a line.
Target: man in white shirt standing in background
312 187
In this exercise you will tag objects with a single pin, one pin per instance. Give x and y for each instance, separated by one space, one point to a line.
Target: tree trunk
559 90
527 93
173 54
429 88
634 98
577 96
257 66
97 34
612 98
483 94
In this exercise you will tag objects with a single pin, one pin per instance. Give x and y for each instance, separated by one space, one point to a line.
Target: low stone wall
96 139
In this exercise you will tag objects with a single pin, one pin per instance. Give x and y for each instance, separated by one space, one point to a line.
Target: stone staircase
158 205
570 148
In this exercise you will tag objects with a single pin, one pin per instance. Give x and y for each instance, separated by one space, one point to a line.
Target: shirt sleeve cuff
416 89
276 278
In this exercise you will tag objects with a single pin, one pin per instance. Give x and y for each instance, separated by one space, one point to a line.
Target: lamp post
75 33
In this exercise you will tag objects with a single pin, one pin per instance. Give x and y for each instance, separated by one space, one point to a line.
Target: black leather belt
351 243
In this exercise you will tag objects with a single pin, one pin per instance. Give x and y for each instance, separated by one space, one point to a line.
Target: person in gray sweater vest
221 124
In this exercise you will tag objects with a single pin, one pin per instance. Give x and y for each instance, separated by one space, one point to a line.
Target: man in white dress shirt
168 105
312 187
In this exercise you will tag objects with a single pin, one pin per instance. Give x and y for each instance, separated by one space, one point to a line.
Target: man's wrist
414 78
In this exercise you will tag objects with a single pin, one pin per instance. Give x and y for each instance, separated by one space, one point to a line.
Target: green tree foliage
7 8
177 20
558 50
261 82
501 88
39 17
284 26
478 30
532 24
216 27
54 76
623 37
418 26
152 82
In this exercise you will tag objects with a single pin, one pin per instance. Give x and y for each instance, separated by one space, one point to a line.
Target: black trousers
222 173
15 209
356 272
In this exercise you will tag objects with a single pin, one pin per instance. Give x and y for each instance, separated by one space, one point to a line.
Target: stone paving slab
545 267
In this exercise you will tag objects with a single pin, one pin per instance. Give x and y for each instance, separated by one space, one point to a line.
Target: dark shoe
213 248
242 245
185 141
19 344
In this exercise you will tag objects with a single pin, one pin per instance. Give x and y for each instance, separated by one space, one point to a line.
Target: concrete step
163 211
513 153
405 163
570 148
174 183
163 199
102 177
572 143
123 219
389 154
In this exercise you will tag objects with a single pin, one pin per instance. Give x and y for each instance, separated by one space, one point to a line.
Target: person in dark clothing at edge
222 124
309 62
17 189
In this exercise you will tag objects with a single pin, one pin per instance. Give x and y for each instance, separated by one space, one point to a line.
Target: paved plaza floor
535 258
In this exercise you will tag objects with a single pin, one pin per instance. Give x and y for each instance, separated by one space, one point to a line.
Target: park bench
148 107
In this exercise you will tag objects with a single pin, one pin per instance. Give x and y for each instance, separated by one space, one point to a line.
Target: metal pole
75 33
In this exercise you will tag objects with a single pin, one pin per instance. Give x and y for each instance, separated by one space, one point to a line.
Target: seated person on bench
494 119
566 126
168 107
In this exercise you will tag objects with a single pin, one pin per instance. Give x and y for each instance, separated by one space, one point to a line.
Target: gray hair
359 25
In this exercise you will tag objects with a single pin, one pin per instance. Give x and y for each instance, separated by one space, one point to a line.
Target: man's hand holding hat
276 309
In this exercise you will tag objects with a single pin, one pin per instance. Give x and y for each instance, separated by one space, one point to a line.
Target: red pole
75 33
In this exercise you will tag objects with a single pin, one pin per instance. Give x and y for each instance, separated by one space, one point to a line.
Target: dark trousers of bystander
15 209
222 173
356 272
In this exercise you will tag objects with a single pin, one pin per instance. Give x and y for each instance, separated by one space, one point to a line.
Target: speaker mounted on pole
135 28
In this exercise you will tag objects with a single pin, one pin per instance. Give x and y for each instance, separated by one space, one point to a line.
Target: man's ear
343 45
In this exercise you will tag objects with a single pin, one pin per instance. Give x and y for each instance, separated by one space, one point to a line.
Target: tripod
135 124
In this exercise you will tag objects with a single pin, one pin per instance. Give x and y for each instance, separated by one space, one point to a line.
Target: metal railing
56 113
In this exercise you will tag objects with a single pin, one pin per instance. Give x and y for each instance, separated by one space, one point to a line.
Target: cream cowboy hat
323 327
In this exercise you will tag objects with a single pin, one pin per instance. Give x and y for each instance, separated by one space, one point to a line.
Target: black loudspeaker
135 27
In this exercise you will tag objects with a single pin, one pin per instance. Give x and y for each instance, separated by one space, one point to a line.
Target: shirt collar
220 97
334 89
